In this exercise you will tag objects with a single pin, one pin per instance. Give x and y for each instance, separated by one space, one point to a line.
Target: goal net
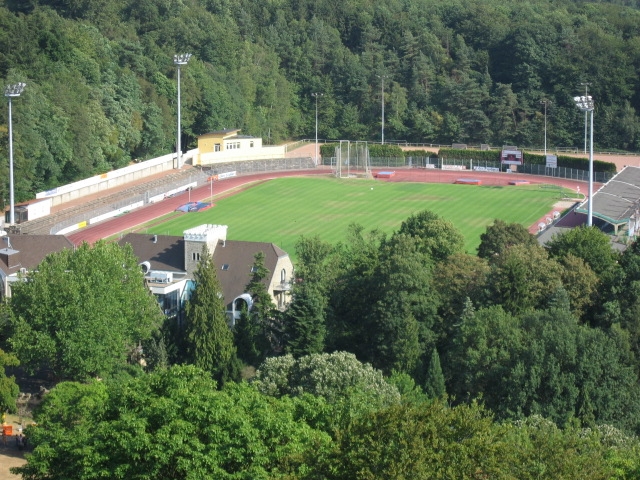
352 159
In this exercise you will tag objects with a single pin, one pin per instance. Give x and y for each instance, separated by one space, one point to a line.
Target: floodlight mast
316 95
546 103
382 77
12 91
179 60
587 105
586 94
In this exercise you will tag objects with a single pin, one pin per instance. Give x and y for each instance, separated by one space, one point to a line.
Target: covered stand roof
617 200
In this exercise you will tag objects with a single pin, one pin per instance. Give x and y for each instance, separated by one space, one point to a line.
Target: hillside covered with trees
101 84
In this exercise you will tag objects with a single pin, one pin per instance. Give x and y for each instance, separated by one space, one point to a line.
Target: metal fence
531 169
564 172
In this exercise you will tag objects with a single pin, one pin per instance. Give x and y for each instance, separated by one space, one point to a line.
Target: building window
216 147
251 143
225 267
254 269
195 256
283 276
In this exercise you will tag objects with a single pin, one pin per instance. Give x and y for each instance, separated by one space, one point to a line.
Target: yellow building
223 146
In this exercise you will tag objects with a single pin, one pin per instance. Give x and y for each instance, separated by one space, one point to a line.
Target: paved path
10 456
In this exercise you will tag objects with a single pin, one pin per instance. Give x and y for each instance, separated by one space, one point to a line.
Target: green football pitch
282 210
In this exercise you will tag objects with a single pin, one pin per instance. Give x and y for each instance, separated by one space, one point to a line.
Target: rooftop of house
163 252
28 251
233 258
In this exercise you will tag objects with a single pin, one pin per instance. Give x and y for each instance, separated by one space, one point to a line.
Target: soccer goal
352 159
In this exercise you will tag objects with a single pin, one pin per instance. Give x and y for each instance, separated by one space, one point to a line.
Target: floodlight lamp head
584 103
317 94
14 90
181 59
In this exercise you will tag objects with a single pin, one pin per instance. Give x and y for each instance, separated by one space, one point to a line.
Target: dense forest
101 84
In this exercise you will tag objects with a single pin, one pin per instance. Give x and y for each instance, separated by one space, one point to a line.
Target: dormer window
225 267
254 269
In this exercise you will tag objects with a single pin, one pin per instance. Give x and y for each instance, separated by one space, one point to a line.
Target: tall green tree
352 292
249 339
588 243
304 322
501 235
263 307
434 386
399 323
259 330
461 276
437 237
81 311
523 277
208 338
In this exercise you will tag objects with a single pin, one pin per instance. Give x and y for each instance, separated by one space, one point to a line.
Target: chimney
10 257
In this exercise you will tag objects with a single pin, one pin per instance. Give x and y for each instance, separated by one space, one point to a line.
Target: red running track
148 213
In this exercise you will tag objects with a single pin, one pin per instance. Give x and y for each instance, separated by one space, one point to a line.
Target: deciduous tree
523 277
8 387
329 375
437 237
501 235
170 424
588 243
81 311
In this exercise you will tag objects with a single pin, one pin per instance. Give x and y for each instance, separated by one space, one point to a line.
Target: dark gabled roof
29 250
240 258
168 254
618 199
163 252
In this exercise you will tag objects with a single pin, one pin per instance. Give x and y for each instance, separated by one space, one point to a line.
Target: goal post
352 159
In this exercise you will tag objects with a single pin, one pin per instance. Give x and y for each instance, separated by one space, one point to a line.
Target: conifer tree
247 336
265 319
208 339
434 387
262 304
305 322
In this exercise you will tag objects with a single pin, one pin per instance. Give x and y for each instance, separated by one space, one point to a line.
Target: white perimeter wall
111 179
